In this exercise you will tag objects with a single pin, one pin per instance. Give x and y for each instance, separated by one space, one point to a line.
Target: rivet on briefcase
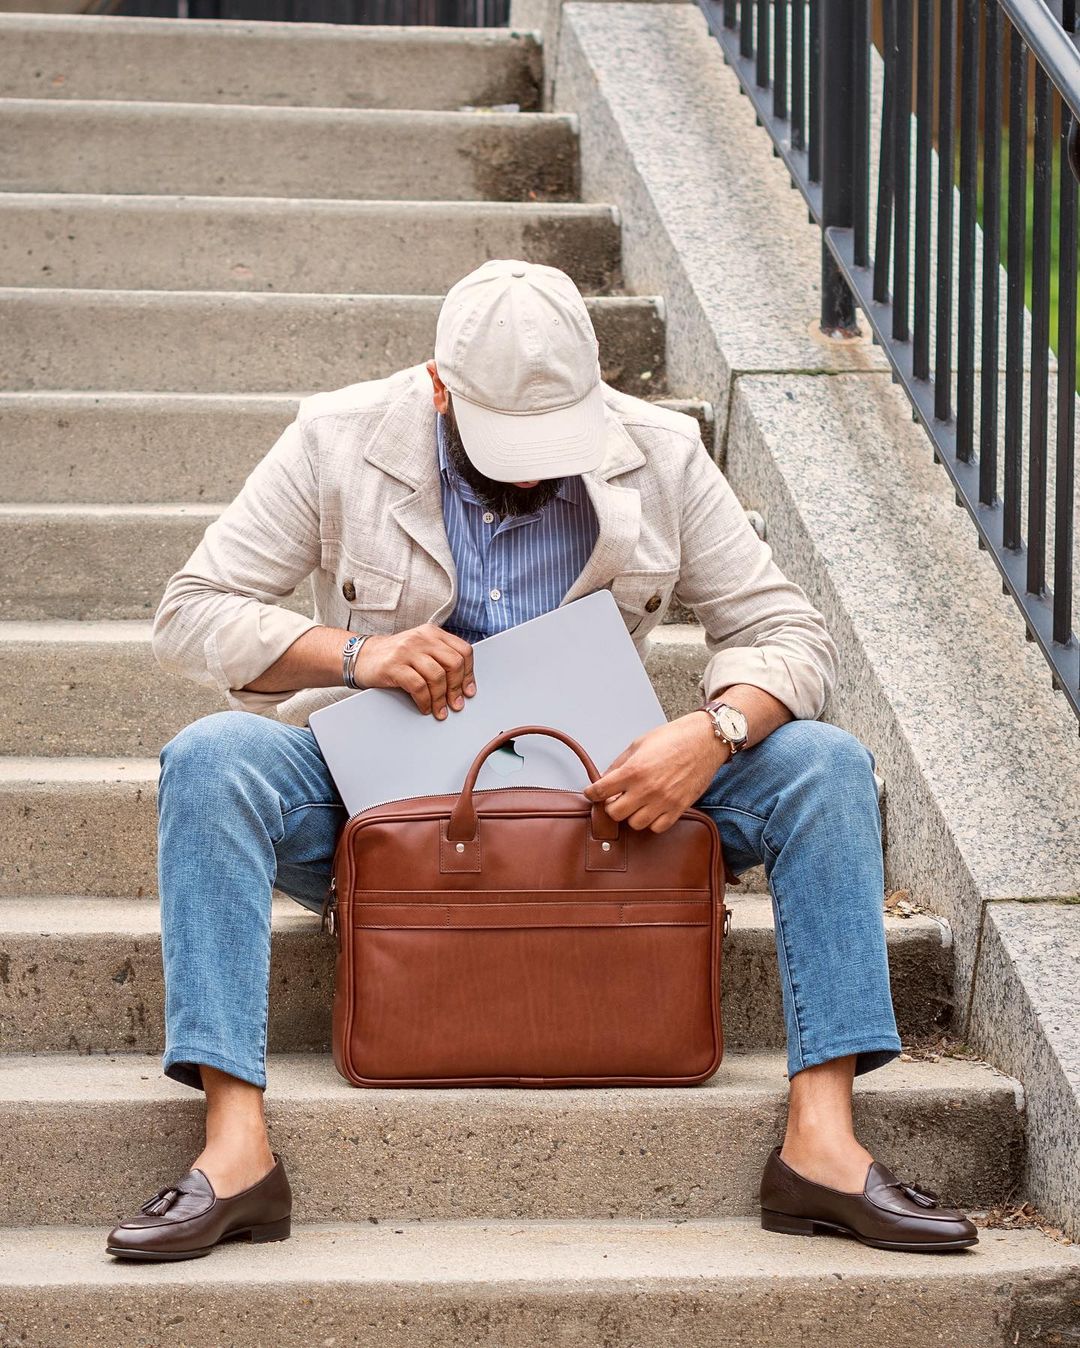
520 936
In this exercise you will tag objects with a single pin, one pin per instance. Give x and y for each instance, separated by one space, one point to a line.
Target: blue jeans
246 804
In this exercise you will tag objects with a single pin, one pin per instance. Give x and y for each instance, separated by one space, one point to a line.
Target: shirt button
349 591
652 604
495 594
488 516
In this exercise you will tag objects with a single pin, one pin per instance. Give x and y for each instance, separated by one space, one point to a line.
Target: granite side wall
978 754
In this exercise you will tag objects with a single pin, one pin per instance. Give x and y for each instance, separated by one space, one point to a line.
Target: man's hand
432 665
662 773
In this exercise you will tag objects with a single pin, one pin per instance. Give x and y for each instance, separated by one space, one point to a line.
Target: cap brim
523 447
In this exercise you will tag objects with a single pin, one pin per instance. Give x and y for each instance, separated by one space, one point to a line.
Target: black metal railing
948 238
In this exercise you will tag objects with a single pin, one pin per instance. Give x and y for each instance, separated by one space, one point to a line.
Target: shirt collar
571 489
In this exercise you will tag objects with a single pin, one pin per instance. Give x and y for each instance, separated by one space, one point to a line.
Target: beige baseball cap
515 345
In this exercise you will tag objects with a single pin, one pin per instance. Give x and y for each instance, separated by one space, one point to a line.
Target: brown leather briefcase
520 936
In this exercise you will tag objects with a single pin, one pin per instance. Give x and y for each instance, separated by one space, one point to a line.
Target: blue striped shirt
511 568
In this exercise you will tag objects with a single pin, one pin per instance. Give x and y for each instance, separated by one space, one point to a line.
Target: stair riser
135 448
301 246
97 566
104 697
112 697
55 146
272 64
105 994
130 447
399 1155
78 839
205 343
967 1309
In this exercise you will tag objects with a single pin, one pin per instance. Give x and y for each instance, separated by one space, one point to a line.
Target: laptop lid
574 668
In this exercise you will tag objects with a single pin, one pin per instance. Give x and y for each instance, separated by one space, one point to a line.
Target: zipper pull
329 908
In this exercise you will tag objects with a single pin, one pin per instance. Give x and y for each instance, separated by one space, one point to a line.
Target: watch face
732 722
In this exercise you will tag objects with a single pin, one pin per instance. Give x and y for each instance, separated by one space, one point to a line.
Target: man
447 502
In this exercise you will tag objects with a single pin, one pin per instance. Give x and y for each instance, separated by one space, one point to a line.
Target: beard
501 498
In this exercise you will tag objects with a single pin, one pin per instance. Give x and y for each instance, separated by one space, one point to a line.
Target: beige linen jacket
350 494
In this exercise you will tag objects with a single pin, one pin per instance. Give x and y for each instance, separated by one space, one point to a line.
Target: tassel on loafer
888 1214
187 1219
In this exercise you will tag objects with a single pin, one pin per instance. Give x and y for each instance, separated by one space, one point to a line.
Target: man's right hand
433 666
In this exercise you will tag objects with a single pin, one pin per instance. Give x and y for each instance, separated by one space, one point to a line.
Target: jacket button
652 604
349 591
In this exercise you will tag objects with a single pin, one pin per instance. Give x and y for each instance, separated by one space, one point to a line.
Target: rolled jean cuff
870 1053
182 1064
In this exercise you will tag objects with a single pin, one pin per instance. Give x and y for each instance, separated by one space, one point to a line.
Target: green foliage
1055 239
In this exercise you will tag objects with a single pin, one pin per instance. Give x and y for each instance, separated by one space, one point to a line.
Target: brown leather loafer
887 1214
187 1219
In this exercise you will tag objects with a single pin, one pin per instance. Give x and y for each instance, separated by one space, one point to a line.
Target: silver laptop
574 668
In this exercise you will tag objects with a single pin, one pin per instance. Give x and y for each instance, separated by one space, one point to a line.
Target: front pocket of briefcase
533 988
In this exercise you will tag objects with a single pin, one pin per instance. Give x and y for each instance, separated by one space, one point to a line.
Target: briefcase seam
594 897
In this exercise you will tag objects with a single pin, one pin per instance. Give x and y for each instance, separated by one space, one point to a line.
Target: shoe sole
806 1226
257 1235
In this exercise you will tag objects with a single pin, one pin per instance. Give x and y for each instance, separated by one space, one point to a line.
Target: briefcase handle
463 823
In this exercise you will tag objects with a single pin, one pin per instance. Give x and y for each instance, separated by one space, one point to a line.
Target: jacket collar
404 447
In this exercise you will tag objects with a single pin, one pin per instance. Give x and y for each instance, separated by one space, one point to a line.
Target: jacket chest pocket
644 595
369 595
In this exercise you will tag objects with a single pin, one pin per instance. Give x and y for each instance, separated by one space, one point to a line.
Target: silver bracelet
349 652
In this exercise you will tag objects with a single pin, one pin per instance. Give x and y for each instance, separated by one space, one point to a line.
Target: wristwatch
729 723
349 652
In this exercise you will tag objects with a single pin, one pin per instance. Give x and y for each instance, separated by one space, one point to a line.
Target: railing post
839 34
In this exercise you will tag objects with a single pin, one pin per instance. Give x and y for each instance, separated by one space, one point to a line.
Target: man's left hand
662 773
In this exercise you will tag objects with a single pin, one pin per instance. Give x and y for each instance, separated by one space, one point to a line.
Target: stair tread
110 26
528 1255
130 1078
83 916
86 296
94 509
126 399
48 631
177 401
139 629
145 109
195 201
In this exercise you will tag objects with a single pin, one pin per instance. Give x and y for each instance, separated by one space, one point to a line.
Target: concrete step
357 1154
299 64
74 145
84 975
80 825
702 412
95 687
222 342
516 1284
88 562
283 244
153 447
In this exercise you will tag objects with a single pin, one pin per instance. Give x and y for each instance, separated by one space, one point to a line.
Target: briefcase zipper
328 921
477 791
